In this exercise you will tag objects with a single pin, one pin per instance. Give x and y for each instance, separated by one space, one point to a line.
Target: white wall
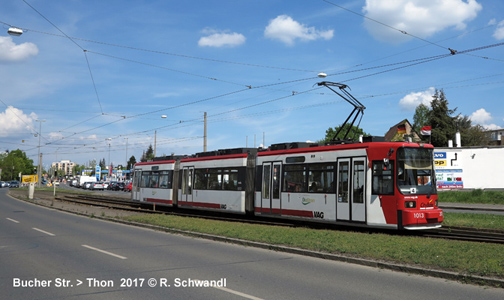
478 168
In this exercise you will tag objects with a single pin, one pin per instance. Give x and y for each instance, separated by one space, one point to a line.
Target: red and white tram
373 184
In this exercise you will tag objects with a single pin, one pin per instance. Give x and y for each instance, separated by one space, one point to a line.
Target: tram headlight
410 204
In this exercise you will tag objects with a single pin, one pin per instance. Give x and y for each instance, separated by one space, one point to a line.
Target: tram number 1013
418 215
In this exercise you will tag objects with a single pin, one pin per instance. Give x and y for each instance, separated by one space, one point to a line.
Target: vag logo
318 214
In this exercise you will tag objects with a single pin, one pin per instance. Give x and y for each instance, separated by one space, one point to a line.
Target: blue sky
102 74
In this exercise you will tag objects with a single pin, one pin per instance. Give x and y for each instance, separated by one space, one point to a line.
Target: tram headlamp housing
410 204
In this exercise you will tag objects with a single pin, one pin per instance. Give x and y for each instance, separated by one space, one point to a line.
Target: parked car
119 186
14 184
97 186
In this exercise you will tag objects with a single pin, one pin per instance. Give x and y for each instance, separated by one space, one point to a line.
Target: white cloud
413 99
491 127
417 17
285 29
13 121
221 39
499 31
9 51
481 116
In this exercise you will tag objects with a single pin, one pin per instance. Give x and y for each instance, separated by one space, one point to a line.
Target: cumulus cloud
413 99
418 17
499 31
481 116
216 38
285 29
11 52
13 121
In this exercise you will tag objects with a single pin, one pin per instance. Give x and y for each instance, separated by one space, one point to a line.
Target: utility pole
205 133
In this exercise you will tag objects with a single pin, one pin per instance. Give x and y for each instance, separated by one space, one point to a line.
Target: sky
91 80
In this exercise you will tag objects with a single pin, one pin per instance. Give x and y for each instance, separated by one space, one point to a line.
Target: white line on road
103 251
238 293
12 220
40 230
234 292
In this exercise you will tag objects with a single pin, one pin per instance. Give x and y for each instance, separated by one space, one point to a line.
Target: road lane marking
105 252
238 293
234 292
12 220
40 230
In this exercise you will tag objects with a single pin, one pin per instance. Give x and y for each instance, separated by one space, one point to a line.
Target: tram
372 183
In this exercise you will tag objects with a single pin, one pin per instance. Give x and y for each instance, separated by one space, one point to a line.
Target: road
47 254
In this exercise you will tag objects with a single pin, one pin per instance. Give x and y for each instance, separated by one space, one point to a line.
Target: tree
471 135
131 162
441 120
15 162
103 164
353 135
444 125
147 155
421 118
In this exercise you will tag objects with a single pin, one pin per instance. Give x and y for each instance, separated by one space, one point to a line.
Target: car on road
87 185
4 184
14 184
97 186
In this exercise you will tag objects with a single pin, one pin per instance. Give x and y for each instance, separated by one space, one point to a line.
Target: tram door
350 205
135 186
270 189
187 184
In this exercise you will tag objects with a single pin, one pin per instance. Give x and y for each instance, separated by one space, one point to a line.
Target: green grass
485 221
475 196
463 257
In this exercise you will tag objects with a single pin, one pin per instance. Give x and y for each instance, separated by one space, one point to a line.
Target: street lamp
15 31
39 168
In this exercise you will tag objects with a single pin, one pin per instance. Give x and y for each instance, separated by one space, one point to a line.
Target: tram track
451 233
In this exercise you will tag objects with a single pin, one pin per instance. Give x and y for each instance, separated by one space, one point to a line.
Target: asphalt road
47 254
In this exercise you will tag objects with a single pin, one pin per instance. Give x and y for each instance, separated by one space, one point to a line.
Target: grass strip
484 221
470 258
477 196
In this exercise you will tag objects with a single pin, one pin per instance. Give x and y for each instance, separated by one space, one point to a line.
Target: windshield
415 171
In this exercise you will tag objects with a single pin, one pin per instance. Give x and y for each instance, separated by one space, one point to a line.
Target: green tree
444 125
147 155
471 135
15 162
103 164
131 162
441 120
421 118
353 135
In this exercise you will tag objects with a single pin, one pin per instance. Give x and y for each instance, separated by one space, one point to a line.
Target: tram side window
145 179
383 180
165 179
153 180
321 178
200 179
294 178
217 179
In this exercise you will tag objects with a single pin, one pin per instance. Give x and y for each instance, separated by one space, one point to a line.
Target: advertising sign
449 174
29 179
98 172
